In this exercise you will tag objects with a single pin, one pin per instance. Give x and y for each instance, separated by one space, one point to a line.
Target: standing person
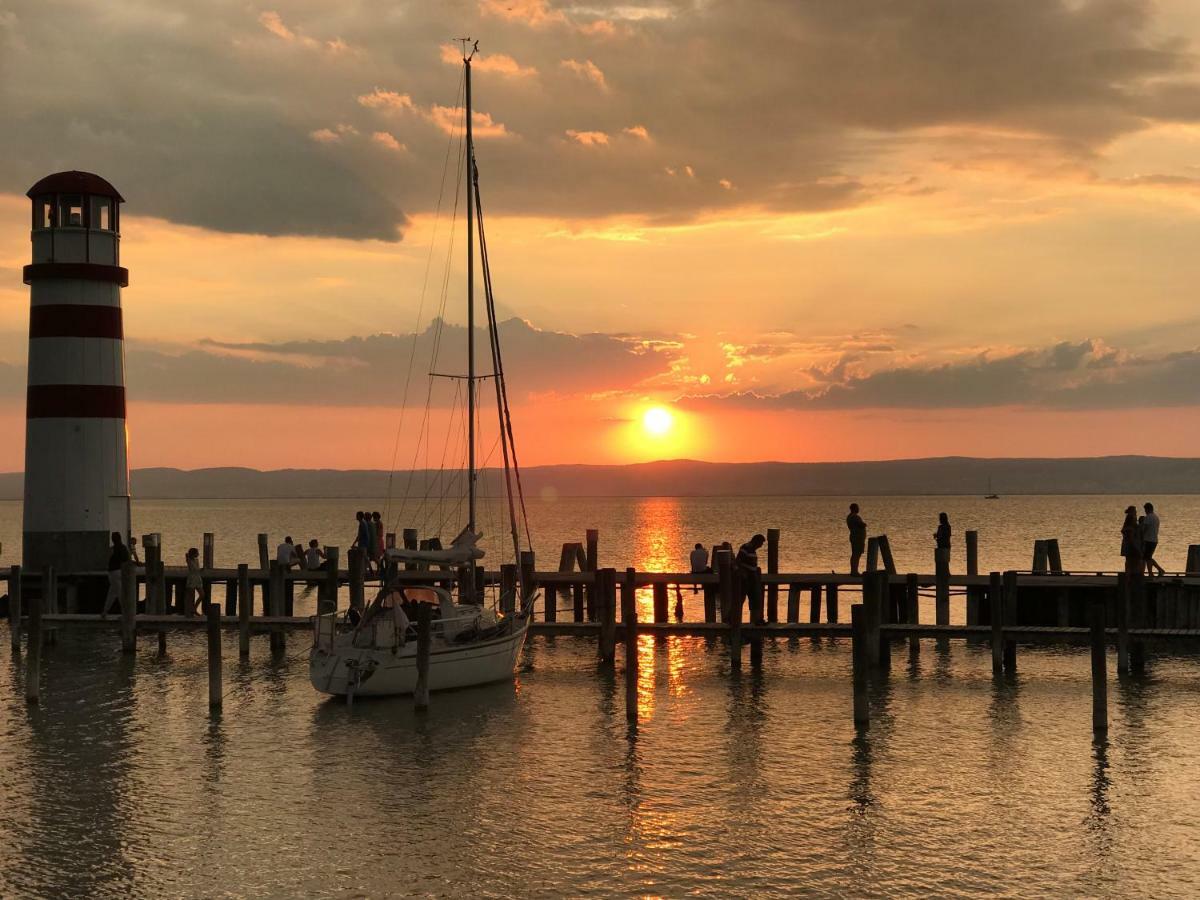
942 535
749 575
363 540
1150 540
133 557
377 546
194 584
117 558
286 555
699 563
858 537
1131 542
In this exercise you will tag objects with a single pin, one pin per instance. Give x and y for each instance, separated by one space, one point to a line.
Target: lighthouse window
43 212
70 208
102 213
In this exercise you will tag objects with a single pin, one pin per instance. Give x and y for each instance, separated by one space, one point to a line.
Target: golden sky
809 230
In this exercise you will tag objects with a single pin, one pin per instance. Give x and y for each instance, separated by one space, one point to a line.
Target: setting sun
657 421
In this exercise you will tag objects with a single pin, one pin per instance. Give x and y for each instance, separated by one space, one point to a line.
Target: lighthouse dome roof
75 183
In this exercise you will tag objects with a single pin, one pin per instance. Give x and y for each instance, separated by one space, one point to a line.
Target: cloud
637 131
500 63
388 140
588 138
449 120
1086 374
587 70
217 126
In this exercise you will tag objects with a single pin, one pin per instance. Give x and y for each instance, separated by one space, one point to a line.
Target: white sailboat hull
372 672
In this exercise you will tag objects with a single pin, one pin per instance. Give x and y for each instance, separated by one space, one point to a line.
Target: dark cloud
373 370
245 117
1068 375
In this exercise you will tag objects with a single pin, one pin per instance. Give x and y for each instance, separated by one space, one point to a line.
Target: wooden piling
974 594
885 554
996 602
1193 560
1010 618
207 551
264 554
14 608
424 643
327 600
213 627
508 588
128 607
972 543
772 569
278 638
1054 556
887 616
661 603
1099 670
411 539
872 611
814 604
859 644
246 595
33 654
793 603
735 620
528 582
872 554
606 601
831 603
1040 559
1123 623
591 561
357 575
941 577
49 601
912 611
629 621
389 540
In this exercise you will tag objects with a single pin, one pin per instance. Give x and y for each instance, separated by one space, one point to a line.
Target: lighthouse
76 445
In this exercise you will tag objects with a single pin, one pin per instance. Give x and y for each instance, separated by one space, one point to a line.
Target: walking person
858 537
116 558
749 575
698 560
1131 542
194 584
1149 537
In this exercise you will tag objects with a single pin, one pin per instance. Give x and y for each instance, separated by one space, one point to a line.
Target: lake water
121 783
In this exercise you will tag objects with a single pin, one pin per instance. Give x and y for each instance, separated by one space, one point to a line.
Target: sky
867 229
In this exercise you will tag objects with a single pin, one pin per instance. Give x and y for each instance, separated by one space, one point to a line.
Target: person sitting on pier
194 584
314 556
748 572
1149 537
699 563
117 558
858 537
286 555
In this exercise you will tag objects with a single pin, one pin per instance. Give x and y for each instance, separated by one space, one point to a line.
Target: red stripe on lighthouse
69 401
75 320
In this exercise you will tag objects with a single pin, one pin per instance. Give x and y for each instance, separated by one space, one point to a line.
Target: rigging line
506 415
417 324
437 336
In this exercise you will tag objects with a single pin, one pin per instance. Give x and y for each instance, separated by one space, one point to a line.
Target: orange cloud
500 63
387 139
586 70
535 13
448 118
387 100
637 131
588 138
273 22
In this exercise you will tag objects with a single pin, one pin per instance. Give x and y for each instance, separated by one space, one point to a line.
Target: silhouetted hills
688 478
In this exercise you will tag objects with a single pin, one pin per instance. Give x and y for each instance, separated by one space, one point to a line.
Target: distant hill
688 478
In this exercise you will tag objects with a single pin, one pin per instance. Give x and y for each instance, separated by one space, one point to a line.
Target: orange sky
917 255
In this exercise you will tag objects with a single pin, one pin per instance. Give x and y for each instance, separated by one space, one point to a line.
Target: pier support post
814 604
606 600
411 542
591 557
528 583
912 611
974 594
661 602
327 599
831 603
1054 556
872 554
1099 670
278 639
1010 618
49 602
128 607
860 663
872 612
972 542
941 558
1040 560
772 569
207 552
357 576
885 554
424 643
996 604
1122 623
33 654
14 608
508 589
213 627
793 603
629 621
264 555
245 604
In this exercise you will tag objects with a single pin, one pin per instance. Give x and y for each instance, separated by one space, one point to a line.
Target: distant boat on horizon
991 495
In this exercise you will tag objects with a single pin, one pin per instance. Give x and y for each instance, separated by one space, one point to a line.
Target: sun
657 421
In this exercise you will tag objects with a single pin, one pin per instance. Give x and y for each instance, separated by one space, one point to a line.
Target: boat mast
471 474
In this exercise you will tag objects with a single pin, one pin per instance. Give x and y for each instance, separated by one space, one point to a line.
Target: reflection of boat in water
990 494
472 642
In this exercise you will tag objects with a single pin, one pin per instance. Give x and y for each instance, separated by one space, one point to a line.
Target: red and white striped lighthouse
76 445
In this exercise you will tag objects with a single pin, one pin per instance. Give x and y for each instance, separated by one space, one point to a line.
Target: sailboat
990 494
472 642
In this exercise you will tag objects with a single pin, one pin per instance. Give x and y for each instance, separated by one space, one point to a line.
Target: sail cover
463 549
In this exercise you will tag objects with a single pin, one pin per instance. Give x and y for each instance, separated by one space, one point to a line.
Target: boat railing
324 629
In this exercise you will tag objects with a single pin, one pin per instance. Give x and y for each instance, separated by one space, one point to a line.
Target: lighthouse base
68 551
